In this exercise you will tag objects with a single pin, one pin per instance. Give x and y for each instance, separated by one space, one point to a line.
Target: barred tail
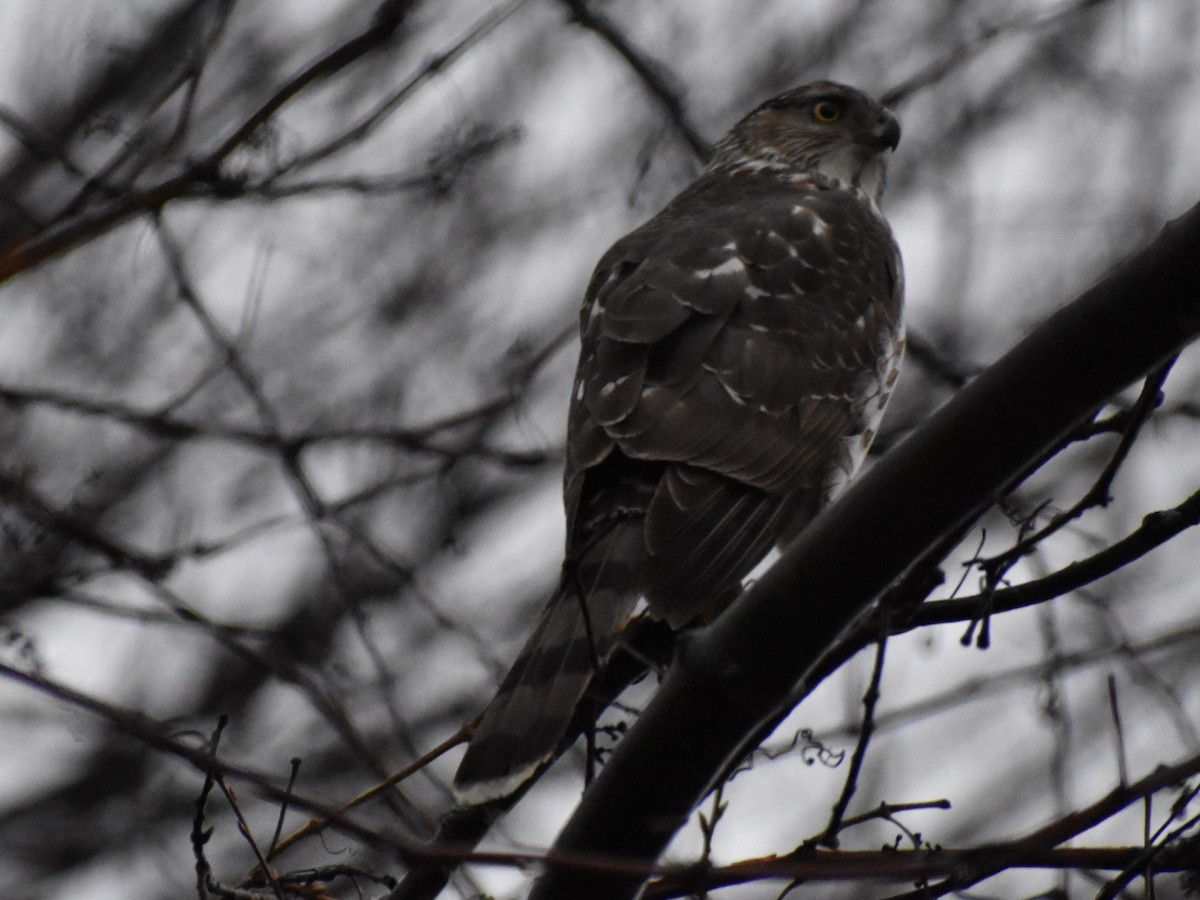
525 722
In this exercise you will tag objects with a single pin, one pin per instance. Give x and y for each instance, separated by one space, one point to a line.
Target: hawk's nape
738 351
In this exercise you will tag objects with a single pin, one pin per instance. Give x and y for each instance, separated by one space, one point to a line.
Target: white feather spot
729 267
759 165
613 385
739 400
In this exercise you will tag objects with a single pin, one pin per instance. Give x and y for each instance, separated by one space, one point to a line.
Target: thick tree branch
734 677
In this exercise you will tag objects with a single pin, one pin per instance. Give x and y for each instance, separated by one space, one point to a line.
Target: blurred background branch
287 307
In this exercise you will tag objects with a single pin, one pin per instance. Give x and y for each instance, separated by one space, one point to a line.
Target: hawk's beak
886 130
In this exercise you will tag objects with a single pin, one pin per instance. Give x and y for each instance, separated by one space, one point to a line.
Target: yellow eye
826 112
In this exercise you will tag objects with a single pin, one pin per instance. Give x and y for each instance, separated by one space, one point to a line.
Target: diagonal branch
204 176
734 678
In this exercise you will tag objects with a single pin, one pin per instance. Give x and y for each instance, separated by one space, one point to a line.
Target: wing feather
725 346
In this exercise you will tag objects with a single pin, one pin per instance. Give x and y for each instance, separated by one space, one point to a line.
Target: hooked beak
886 130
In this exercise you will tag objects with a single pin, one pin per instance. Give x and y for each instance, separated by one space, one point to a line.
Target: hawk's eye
827 111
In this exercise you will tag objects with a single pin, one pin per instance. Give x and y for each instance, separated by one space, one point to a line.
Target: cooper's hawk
738 352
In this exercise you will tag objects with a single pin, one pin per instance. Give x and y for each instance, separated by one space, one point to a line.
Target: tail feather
525 722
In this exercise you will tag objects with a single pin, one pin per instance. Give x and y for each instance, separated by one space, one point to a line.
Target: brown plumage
737 352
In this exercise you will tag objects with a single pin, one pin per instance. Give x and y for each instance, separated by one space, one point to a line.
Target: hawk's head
824 128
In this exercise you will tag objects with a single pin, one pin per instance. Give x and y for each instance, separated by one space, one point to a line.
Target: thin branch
283 808
1068 827
160 737
1156 529
830 836
889 810
1118 730
1038 849
649 72
244 829
938 69
1177 639
138 141
64 235
44 147
310 501
373 37
316 826
151 569
1142 864
161 423
1099 493
896 865
201 835
432 66
78 529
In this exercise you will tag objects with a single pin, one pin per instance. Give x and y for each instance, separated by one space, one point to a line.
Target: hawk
738 351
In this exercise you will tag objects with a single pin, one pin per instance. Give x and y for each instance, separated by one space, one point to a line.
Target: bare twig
201 835
890 810
830 836
245 832
1098 494
1118 731
1069 826
1156 529
315 826
271 850
1141 864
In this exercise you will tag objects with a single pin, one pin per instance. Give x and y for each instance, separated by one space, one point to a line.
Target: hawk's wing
737 352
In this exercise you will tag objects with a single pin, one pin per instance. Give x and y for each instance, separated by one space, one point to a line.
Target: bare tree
287 299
